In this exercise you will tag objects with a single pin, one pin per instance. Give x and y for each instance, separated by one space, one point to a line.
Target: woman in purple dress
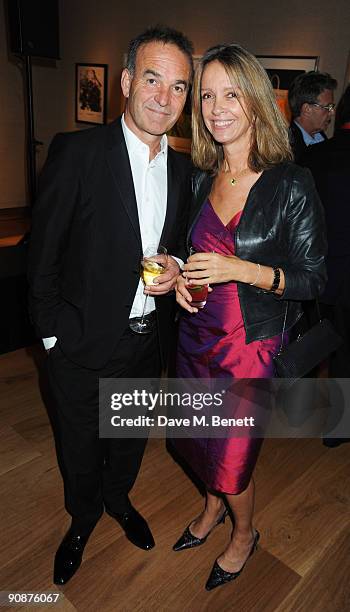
257 231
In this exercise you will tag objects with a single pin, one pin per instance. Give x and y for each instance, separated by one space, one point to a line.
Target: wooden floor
14 224
302 512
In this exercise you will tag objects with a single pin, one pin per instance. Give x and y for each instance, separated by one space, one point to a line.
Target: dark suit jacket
85 250
329 163
296 140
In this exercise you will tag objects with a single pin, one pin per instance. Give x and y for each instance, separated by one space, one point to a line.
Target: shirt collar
134 144
308 139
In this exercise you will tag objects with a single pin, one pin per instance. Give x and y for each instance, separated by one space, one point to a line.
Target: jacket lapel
119 164
172 198
201 187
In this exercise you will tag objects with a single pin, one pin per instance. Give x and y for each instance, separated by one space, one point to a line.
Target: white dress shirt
151 190
308 138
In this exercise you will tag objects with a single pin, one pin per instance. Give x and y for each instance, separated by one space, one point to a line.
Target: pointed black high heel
218 576
188 540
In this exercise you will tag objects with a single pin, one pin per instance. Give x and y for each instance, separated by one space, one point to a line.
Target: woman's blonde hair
269 144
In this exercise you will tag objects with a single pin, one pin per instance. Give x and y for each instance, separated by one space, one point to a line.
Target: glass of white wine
153 263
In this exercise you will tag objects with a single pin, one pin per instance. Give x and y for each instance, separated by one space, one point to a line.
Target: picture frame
347 73
282 70
180 136
91 93
288 67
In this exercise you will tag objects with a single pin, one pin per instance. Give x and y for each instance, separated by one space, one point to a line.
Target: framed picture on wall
282 70
91 93
347 73
180 135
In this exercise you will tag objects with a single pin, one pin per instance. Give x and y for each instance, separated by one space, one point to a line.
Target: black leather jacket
282 225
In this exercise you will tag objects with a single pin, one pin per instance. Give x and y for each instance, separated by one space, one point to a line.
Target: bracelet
257 276
276 280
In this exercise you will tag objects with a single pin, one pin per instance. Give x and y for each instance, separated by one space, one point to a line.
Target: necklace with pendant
235 179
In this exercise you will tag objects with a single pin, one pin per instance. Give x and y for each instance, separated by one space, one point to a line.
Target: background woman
261 215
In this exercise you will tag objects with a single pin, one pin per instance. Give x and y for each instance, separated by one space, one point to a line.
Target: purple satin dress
212 345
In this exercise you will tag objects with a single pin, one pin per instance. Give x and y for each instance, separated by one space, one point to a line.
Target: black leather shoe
135 527
334 442
218 576
188 540
69 555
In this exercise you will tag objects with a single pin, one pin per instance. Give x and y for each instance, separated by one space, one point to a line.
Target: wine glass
199 293
153 263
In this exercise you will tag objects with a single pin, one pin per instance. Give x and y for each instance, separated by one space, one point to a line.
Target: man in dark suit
329 163
311 102
105 195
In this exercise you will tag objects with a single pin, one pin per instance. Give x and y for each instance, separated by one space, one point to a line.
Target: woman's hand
211 268
183 297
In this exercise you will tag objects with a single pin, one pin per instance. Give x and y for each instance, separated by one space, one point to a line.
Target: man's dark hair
159 33
343 109
307 87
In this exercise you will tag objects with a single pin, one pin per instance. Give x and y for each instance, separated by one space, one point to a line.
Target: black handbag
311 348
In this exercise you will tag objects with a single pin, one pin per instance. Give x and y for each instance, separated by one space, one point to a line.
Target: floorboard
302 511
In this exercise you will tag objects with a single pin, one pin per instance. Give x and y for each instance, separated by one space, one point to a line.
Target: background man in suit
329 163
311 103
105 194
